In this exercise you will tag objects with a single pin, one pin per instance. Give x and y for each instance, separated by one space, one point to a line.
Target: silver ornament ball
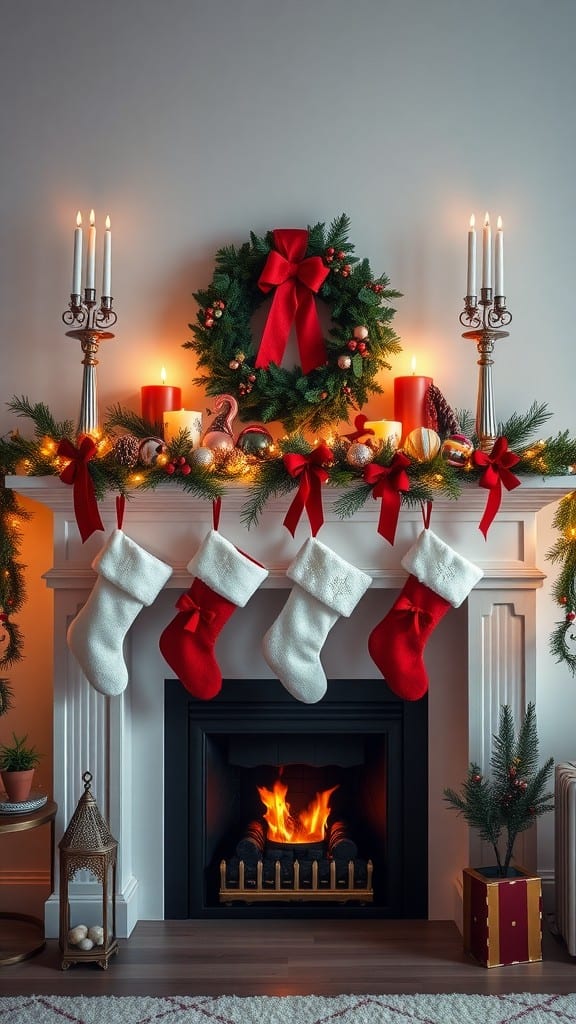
359 455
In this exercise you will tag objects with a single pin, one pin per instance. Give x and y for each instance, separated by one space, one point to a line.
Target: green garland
12 589
551 456
356 299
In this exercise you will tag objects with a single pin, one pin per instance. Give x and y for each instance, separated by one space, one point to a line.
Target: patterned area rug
523 1008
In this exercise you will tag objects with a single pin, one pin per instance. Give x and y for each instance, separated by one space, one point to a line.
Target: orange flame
308 827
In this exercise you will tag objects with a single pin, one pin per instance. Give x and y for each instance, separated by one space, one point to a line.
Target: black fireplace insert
248 772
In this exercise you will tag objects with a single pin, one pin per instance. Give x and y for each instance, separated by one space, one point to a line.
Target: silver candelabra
91 319
485 315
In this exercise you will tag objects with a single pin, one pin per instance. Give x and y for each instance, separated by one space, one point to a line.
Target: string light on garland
12 590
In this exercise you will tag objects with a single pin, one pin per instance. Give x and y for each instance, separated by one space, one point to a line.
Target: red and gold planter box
502 916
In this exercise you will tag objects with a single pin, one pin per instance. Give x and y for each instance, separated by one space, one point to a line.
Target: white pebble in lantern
75 935
422 444
96 934
456 450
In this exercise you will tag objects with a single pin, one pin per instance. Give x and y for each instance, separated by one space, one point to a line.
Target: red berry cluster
177 465
376 288
213 312
336 260
358 346
245 387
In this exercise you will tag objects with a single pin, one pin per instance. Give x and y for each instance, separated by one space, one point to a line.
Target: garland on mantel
113 463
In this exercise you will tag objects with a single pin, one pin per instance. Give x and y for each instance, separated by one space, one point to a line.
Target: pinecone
125 451
442 417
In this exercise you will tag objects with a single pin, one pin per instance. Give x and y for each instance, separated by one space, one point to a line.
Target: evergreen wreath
355 351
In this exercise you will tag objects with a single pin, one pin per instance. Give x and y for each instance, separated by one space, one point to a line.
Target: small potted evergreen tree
499 807
17 765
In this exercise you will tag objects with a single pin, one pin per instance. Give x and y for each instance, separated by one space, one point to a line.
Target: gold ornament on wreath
298 270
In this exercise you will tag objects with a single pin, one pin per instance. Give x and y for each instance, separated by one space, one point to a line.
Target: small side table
26 935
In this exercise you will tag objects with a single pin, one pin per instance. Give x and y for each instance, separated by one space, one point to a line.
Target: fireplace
230 765
481 656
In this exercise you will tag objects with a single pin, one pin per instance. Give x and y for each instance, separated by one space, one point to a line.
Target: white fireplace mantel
121 740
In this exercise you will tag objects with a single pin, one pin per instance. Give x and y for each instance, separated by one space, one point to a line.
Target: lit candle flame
92 218
107 223
472 221
163 374
79 219
486 220
499 223
413 365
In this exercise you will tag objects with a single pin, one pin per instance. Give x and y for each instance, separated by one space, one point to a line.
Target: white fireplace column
121 739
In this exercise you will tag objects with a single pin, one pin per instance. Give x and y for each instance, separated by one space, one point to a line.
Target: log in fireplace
278 809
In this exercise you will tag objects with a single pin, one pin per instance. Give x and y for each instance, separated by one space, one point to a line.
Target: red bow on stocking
312 473
186 604
76 473
388 482
419 618
496 465
295 278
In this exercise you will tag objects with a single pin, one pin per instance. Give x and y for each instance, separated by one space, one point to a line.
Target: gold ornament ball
456 450
422 444
255 441
201 458
344 362
359 455
150 449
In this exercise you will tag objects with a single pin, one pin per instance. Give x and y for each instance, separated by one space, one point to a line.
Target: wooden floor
290 958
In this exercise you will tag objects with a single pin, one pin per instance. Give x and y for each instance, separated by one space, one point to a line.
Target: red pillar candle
410 406
157 399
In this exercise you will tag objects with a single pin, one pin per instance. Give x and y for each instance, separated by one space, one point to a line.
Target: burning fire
308 827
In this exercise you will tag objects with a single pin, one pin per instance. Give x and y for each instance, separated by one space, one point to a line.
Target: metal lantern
88 845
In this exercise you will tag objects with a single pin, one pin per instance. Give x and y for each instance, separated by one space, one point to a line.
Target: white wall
192 123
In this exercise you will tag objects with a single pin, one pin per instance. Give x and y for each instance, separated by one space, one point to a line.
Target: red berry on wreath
352 345
252 377
340 255
570 616
234 364
330 250
361 346
186 469
170 468
209 322
562 600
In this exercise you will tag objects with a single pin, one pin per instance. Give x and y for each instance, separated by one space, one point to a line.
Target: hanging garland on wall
338 372
12 590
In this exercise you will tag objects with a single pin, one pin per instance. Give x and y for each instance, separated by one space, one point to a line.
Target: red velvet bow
420 618
496 465
388 482
295 278
187 604
310 469
359 423
76 473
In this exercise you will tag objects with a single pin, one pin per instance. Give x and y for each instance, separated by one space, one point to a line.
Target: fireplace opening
275 808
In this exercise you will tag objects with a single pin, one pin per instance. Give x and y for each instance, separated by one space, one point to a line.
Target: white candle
107 262
499 259
471 279
386 431
91 256
77 264
486 254
183 419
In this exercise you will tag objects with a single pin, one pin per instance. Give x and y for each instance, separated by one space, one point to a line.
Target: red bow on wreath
312 473
496 465
76 473
388 482
295 278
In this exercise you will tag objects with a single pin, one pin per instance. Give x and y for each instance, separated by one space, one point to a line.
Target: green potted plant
499 806
17 765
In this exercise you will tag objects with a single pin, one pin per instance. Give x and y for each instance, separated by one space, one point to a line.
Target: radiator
565 852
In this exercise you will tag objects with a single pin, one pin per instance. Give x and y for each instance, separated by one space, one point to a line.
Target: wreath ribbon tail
309 332
292 517
492 506
277 327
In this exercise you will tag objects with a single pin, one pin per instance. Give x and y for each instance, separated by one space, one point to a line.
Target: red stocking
439 579
225 580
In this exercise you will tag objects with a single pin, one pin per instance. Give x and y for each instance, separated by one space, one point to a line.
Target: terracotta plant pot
18 785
